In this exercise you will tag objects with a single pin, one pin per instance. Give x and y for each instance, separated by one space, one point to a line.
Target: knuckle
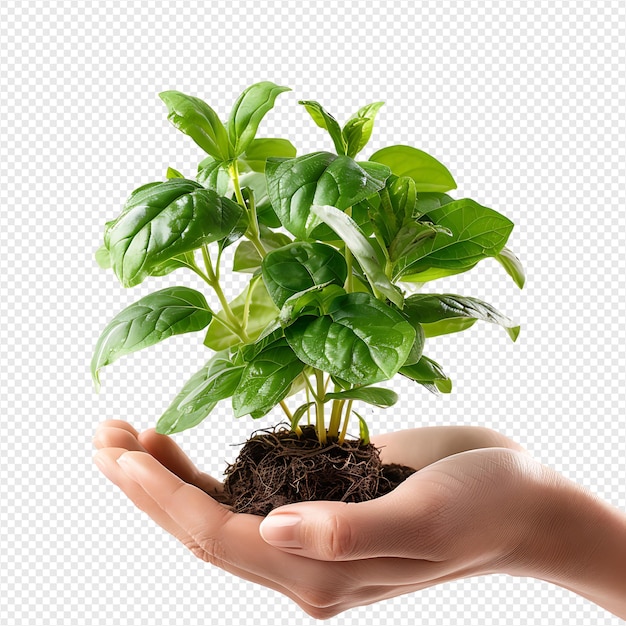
335 539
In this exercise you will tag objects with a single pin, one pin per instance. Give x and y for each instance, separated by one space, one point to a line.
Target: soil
277 467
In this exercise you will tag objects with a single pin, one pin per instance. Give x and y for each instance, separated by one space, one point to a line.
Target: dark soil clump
276 467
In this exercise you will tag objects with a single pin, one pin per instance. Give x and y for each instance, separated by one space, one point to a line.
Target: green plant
329 242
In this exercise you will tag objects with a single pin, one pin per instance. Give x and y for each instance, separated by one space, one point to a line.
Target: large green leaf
196 118
320 178
171 311
477 232
361 247
162 221
428 173
447 313
300 265
248 111
358 129
512 265
326 121
261 311
360 340
428 373
266 379
217 380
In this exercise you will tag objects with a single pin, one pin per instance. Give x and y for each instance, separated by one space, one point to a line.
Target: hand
449 520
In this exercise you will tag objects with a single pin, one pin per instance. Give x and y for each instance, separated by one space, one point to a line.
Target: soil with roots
277 467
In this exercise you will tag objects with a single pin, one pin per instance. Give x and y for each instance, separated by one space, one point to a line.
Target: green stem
335 418
252 232
228 312
289 414
308 400
320 426
344 430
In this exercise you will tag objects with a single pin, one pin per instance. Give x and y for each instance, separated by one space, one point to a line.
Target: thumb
338 531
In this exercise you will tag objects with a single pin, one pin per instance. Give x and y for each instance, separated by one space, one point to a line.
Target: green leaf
103 258
377 396
362 250
318 297
411 236
428 373
262 311
417 348
358 129
257 183
163 221
172 173
247 259
217 380
428 173
298 414
300 265
428 201
447 313
326 121
260 150
196 118
320 178
250 350
248 111
213 175
364 433
266 379
360 340
183 260
171 311
434 273
477 233
512 265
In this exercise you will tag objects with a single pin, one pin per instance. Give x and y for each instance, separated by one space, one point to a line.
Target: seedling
331 244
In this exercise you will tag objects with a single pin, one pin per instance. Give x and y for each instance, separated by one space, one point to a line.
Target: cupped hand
461 514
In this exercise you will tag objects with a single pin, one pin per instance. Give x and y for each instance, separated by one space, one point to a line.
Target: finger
114 437
419 447
106 460
118 424
169 454
395 525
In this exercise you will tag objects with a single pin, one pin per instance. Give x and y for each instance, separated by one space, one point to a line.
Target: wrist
573 539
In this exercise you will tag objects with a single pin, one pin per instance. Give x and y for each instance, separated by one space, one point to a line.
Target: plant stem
320 426
289 414
335 418
252 232
346 419
308 400
228 312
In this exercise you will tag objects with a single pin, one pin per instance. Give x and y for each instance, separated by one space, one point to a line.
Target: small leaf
319 297
300 265
360 340
217 380
432 309
364 433
262 311
428 373
171 311
248 111
213 175
196 118
103 258
186 259
172 173
298 414
428 173
247 259
326 121
260 150
358 129
477 233
162 221
377 396
266 379
417 348
512 265
318 179
411 236
362 250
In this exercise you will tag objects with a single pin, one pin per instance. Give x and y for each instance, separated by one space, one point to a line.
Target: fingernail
282 530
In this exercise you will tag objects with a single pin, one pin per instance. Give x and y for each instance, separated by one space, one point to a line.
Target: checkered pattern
523 101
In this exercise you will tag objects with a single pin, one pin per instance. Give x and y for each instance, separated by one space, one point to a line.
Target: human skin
478 504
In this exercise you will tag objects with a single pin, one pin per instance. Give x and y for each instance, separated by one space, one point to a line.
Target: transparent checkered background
523 101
